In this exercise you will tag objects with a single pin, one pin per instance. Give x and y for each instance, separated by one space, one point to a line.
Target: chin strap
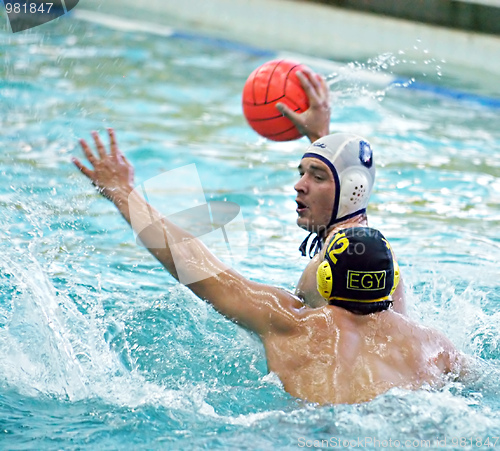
314 248
346 217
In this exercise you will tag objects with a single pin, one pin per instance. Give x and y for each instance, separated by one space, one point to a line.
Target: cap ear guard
324 276
355 190
324 280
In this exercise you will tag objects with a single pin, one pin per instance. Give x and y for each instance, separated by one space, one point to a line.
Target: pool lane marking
362 75
443 91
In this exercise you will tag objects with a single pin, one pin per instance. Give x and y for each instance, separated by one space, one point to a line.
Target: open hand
112 174
315 122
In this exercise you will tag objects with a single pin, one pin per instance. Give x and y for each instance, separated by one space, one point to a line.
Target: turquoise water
101 349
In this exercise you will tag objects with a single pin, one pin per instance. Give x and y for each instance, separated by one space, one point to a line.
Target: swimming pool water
101 349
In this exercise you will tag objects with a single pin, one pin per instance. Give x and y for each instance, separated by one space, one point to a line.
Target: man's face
315 195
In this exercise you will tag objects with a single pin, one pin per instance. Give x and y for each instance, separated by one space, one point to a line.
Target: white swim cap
350 158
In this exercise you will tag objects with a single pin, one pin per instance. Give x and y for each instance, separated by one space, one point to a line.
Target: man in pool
337 173
349 351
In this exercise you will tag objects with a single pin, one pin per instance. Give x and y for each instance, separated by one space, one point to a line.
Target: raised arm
259 307
315 122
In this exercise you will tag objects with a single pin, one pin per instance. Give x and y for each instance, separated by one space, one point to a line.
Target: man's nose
301 185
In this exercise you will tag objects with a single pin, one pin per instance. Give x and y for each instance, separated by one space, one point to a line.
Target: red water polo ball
274 82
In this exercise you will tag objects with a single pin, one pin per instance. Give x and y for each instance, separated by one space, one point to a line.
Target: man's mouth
300 206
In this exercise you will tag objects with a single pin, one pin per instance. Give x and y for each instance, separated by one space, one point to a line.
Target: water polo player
337 174
337 177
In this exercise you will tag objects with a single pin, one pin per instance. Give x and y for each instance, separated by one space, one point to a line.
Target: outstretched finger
115 151
112 142
99 145
323 85
88 152
83 169
310 85
308 74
